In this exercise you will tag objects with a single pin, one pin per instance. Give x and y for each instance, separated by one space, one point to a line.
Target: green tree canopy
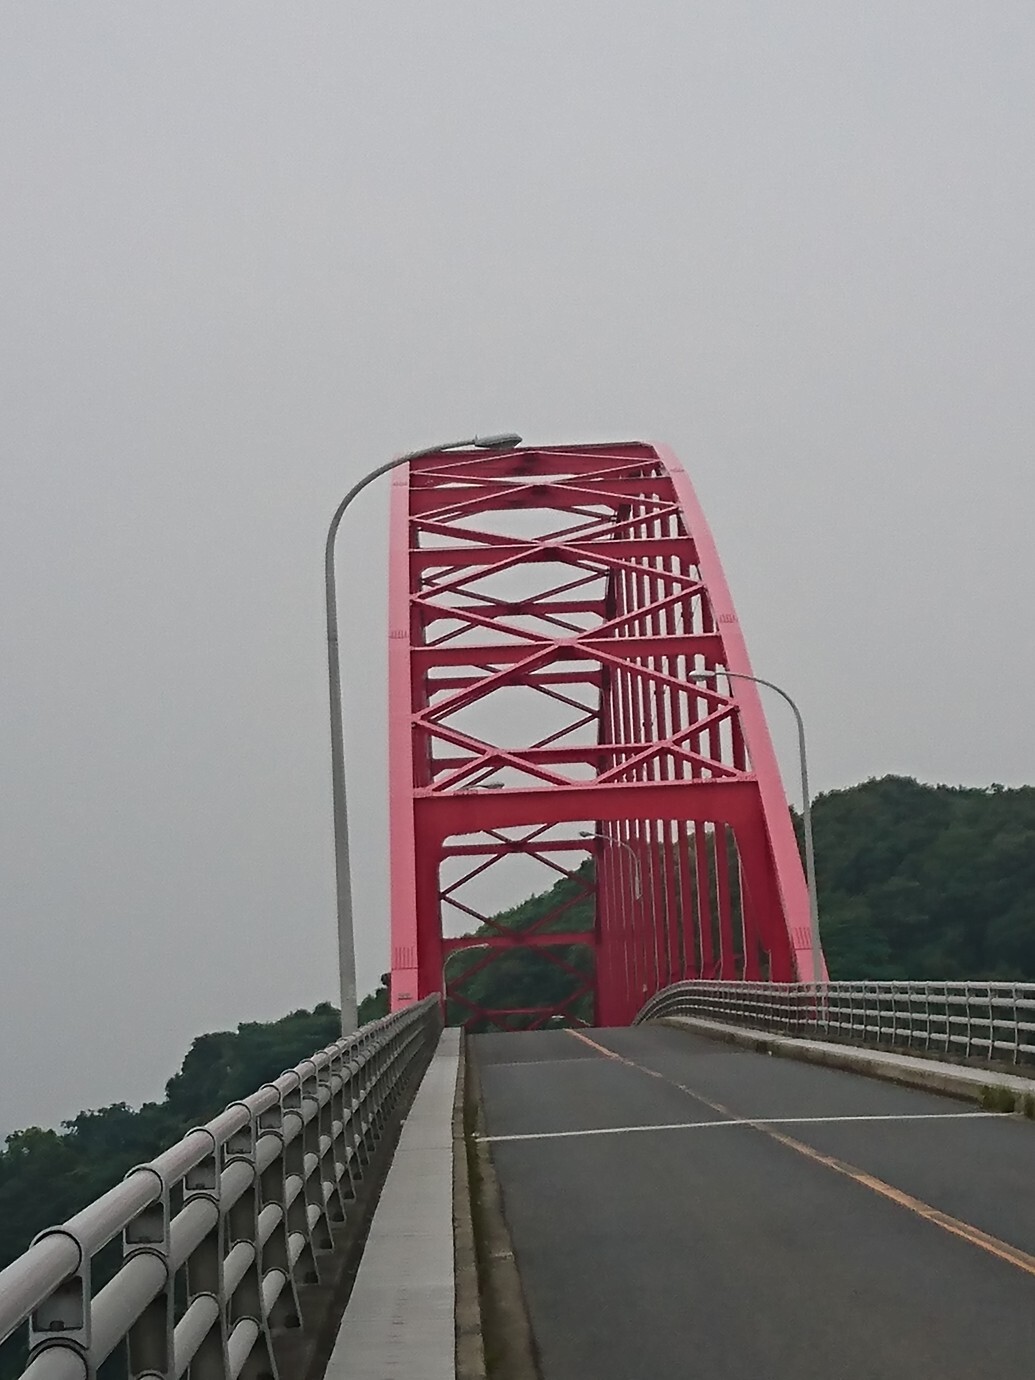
921 881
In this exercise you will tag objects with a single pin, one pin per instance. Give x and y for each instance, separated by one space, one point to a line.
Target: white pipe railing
989 1021
221 1231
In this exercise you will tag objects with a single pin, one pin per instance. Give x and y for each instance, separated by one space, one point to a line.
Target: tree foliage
920 881
375 1005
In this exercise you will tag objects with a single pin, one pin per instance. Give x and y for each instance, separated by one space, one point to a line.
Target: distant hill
921 881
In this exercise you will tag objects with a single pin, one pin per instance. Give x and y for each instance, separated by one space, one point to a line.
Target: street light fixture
806 805
622 843
346 938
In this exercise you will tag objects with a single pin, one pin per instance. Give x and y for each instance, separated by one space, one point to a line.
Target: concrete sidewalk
399 1324
932 1074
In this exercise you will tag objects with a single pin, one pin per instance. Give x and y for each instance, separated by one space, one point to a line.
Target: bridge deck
807 1222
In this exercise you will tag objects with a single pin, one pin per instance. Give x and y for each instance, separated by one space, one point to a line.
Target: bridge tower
547 605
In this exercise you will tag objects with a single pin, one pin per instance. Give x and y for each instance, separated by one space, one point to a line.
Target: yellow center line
1002 1250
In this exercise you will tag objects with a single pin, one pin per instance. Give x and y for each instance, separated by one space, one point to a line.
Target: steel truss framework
584 580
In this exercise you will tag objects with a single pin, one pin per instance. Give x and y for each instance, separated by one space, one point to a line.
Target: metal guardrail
221 1231
991 1021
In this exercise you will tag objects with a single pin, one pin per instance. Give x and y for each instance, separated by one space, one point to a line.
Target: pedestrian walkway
399 1324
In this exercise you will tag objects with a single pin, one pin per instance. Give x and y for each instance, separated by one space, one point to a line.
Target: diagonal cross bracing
547 605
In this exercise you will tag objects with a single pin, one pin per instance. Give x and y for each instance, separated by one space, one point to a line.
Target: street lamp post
622 843
806 805
346 938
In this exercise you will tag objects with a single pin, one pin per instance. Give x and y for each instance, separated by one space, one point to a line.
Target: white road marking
748 1121
538 1063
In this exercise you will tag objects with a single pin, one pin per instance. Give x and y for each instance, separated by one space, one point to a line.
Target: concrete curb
470 1345
952 1080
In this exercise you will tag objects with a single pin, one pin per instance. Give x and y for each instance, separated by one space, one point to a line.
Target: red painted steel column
404 982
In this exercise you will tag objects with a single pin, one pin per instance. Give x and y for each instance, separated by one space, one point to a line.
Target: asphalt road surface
680 1208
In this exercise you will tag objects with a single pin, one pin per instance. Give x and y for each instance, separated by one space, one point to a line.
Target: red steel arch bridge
559 626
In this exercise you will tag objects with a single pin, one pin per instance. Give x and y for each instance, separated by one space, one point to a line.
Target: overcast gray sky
249 250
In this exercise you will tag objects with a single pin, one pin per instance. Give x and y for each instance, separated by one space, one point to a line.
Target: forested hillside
923 881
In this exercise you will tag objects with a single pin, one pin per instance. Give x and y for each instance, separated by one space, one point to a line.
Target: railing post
297 1209
308 1103
332 1169
202 1331
249 1345
64 1319
150 1337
